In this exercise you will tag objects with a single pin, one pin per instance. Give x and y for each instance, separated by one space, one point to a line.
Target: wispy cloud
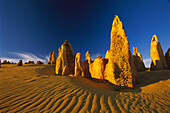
25 57
94 56
147 62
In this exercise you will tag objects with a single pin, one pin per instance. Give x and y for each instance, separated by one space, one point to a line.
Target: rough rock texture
19 63
167 56
65 61
78 68
98 68
158 61
138 61
53 58
39 62
88 57
85 69
50 56
120 69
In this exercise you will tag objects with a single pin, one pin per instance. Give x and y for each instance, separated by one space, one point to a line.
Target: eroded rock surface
50 57
65 61
85 69
53 57
120 69
158 61
98 68
138 61
78 68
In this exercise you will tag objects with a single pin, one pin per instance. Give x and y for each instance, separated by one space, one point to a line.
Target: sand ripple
37 89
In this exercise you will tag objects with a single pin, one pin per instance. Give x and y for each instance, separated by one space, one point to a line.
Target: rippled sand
35 88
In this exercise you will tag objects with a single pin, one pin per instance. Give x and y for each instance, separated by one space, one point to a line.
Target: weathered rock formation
0 63
78 68
120 69
98 68
158 61
53 58
39 62
19 63
85 69
88 57
5 62
138 61
30 62
65 61
50 57
167 56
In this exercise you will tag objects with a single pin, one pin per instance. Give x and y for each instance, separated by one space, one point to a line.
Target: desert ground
36 88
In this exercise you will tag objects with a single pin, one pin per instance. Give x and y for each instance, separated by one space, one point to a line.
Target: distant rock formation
19 63
0 63
98 68
39 62
78 68
6 62
30 62
120 69
53 58
167 56
50 57
65 61
158 61
138 61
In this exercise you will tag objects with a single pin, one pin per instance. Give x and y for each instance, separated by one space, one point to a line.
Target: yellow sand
35 88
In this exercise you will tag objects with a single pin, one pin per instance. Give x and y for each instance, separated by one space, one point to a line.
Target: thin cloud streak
25 57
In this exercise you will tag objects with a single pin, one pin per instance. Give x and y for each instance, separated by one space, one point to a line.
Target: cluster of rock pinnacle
119 66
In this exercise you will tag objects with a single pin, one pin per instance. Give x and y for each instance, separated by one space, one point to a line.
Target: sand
35 88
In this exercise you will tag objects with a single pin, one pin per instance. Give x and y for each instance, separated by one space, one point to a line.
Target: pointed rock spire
138 61
65 61
78 68
120 69
19 63
157 56
53 57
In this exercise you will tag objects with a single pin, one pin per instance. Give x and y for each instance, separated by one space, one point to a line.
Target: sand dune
35 88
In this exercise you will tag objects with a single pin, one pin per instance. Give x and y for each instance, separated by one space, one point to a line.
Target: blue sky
37 27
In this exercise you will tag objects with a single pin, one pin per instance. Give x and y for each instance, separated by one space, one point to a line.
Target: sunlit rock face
88 57
158 61
19 63
53 57
98 68
138 61
167 56
120 69
65 61
50 56
78 68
